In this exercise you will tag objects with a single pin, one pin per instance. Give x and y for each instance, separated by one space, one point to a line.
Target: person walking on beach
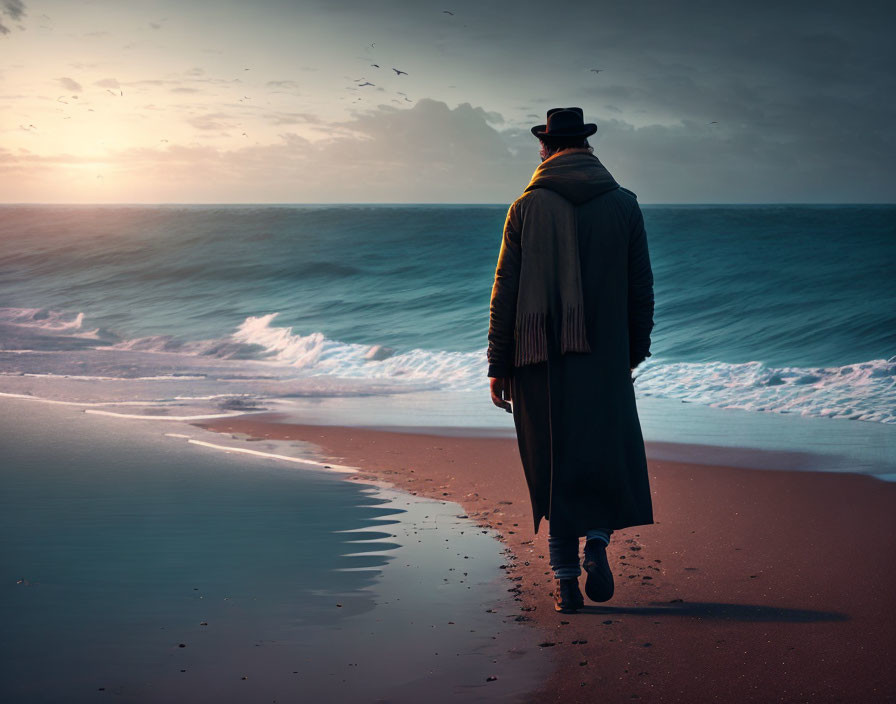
570 318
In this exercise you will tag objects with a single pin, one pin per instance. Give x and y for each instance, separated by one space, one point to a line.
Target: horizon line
443 203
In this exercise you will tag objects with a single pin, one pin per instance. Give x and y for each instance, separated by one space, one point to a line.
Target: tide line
204 416
227 448
30 397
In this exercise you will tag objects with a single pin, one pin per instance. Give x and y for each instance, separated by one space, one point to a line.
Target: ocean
783 315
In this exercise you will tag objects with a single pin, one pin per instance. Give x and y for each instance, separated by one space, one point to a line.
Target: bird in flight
366 83
375 65
596 70
447 12
398 73
714 122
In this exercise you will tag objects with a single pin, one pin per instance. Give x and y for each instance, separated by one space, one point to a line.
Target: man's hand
501 393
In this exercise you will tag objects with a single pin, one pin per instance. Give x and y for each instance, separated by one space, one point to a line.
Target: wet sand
140 567
753 584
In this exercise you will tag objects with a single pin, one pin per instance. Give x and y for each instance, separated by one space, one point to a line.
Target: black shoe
599 584
567 597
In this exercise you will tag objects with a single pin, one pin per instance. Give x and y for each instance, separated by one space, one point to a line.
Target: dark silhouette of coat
575 414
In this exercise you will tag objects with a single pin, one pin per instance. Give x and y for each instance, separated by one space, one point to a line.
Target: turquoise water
784 285
779 311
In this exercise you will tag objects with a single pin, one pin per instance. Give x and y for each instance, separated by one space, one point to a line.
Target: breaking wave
862 391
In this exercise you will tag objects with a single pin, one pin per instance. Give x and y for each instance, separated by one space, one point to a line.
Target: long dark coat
575 414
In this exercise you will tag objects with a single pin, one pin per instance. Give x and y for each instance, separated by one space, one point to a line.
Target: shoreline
279 580
776 582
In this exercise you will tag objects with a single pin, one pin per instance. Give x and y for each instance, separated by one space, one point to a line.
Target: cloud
213 121
283 84
427 153
180 81
432 152
291 118
15 9
70 84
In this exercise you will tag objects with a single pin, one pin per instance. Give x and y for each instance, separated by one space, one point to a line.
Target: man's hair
552 145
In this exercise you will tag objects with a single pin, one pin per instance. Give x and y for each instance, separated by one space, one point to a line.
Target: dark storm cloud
800 93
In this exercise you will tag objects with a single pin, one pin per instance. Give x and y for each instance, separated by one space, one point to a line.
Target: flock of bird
360 83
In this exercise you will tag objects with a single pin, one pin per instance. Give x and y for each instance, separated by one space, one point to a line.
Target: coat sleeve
640 291
502 309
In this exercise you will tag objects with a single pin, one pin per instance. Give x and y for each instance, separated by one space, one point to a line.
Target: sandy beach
753 585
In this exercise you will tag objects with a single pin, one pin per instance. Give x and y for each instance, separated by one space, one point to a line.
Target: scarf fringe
574 338
532 339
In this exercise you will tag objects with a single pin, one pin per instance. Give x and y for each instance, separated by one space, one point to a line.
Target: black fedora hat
565 122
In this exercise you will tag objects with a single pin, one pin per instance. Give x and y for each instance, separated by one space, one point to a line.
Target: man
570 318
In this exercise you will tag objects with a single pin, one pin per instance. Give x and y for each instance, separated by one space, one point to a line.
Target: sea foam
272 361
862 391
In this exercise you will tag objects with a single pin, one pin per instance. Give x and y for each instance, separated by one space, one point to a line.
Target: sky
263 102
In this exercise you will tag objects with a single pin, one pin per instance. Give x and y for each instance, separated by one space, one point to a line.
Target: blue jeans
564 552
